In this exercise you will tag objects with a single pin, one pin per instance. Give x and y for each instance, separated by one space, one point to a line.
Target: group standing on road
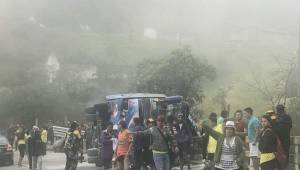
227 140
30 143
160 145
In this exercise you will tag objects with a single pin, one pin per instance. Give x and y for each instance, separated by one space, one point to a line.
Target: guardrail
59 132
294 152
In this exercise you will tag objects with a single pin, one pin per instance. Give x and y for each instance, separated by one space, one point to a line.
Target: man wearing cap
161 139
147 150
229 152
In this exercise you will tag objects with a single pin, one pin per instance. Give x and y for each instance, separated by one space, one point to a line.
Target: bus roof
134 95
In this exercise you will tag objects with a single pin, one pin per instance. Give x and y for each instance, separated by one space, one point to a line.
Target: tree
179 74
33 96
277 86
220 98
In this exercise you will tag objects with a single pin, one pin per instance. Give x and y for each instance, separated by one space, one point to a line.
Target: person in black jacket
137 144
29 148
147 149
267 145
183 136
282 127
107 146
36 149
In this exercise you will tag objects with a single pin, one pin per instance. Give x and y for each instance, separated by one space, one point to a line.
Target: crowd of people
225 142
158 144
31 143
153 146
267 140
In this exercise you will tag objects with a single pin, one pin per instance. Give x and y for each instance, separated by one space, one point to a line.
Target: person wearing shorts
253 127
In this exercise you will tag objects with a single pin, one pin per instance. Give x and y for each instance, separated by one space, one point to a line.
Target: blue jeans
162 161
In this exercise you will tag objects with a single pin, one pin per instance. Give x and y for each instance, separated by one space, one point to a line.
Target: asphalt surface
52 161
56 161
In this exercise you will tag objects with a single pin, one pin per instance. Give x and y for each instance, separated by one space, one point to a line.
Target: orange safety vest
123 143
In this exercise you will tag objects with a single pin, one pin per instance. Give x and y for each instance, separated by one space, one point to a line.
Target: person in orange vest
123 146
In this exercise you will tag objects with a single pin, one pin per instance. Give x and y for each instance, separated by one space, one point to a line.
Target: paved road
52 161
55 161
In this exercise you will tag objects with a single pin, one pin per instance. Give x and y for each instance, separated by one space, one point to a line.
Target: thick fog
52 45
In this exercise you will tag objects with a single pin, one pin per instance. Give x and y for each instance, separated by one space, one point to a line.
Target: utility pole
296 158
298 89
36 120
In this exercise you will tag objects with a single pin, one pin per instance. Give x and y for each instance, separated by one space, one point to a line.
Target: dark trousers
51 138
148 157
287 153
137 159
106 163
30 160
11 140
184 156
210 156
71 164
16 145
22 148
44 148
270 165
280 166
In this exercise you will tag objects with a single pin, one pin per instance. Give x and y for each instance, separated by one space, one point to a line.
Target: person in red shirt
123 147
240 125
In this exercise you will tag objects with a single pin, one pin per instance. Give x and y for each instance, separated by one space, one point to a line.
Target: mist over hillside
102 42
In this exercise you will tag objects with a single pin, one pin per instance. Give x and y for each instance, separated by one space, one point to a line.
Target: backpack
70 146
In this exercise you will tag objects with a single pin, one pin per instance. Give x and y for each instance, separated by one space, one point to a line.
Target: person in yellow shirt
44 137
21 145
212 143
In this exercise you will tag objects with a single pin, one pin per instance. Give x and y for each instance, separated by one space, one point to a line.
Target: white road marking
80 165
